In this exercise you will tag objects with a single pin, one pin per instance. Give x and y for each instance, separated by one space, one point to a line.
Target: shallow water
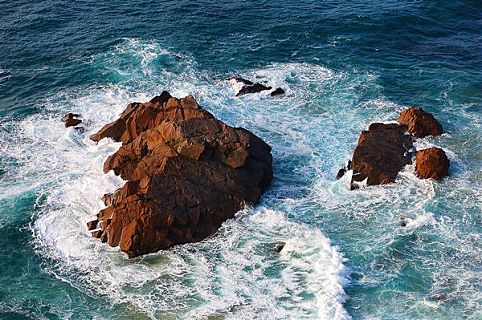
343 67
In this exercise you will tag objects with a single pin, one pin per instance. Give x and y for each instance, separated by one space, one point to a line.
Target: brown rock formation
380 154
420 123
385 149
186 173
432 163
91 225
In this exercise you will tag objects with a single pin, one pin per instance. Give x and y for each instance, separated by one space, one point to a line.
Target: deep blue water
344 64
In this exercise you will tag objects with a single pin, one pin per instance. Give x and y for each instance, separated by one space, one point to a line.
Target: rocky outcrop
420 123
277 92
343 170
138 117
70 120
186 173
432 163
252 88
380 154
384 149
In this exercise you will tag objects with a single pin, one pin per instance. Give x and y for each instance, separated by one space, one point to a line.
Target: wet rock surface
380 154
385 148
186 173
420 123
251 87
279 246
432 163
70 119
277 92
343 170
241 80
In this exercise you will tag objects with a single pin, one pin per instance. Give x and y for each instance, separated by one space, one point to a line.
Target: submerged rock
70 119
253 88
432 163
277 92
343 170
340 173
441 298
279 246
380 154
420 123
186 173
80 130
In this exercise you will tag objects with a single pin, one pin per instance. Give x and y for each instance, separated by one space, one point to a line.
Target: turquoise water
343 65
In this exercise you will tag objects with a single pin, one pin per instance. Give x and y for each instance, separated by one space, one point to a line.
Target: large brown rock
380 154
432 163
420 123
186 173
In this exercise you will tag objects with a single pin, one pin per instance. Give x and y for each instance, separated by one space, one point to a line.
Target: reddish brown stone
97 234
70 121
103 237
385 149
420 123
186 173
432 163
380 154
91 225
107 199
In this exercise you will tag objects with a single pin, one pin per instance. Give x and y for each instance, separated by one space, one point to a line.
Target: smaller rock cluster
251 87
385 148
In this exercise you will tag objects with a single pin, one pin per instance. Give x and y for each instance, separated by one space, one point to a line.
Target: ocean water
343 65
